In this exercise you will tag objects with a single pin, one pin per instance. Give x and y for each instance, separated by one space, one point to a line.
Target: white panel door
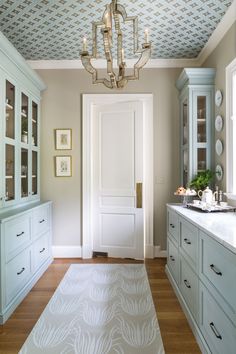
117 166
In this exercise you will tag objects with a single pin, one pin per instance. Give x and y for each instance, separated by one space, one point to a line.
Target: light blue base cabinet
202 272
25 248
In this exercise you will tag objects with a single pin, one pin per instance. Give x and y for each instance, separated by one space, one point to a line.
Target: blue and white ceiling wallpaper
50 29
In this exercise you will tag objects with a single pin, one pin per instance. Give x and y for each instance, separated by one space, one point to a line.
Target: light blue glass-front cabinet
196 97
20 148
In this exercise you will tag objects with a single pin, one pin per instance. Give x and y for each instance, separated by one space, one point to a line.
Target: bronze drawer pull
187 284
21 271
18 235
41 221
187 241
215 270
172 258
42 250
214 330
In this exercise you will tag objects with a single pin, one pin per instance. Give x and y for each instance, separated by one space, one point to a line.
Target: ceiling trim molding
101 64
7 50
227 21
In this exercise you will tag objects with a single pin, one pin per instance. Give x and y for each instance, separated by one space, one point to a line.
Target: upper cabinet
20 90
196 98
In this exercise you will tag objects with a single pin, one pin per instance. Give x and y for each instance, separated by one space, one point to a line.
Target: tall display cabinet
196 98
25 220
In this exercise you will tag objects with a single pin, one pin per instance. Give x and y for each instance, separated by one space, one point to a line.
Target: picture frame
63 139
63 166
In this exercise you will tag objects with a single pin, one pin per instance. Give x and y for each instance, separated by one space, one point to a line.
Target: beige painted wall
61 108
224 53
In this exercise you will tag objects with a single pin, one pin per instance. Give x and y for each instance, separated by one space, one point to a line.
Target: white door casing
117 165
91 104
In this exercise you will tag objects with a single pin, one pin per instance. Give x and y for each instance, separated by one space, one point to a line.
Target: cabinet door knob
214 330
172 258
21 271
187 241
187 284
172 225
215 270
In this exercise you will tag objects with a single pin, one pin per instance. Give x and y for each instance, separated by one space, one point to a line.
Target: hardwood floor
176 333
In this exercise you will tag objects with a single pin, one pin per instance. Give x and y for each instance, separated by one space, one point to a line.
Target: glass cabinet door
185 142
24 173
10 110
185 122
34 124
24 119
201 119
9 172
201 133
34 172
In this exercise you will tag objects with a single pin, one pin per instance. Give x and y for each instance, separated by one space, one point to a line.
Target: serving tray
212 208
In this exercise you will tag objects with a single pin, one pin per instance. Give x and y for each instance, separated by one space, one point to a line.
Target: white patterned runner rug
98 309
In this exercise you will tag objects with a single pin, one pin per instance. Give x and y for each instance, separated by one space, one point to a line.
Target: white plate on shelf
219 172
219 147
218 98
219 123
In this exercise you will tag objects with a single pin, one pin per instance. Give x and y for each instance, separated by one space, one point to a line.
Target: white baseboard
66 251
149 251
76 252
159 253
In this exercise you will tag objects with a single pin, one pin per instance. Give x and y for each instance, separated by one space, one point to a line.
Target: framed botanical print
63 166
63 139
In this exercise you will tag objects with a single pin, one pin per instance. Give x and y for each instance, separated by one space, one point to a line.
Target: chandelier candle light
112 17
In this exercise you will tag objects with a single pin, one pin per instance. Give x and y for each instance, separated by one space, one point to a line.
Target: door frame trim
89 101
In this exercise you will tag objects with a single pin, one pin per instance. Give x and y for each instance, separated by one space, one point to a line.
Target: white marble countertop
219 225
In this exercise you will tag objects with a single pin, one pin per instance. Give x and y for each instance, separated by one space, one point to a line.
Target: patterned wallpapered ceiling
54 29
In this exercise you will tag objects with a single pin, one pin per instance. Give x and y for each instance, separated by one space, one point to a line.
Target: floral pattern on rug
98 309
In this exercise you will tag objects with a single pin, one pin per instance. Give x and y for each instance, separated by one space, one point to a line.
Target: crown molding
9 52
227 21
101 64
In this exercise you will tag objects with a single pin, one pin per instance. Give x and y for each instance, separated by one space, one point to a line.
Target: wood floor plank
176 333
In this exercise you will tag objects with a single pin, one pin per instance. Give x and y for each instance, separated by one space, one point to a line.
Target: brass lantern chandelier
113 15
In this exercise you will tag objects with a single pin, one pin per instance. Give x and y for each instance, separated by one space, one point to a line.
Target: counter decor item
205 207
185 194
202 180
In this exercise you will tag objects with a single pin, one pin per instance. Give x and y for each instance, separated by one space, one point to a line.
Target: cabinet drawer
40 220
18 271
216 327
173 260
189 286
172 225
189 241
40 251
218 269
17 234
